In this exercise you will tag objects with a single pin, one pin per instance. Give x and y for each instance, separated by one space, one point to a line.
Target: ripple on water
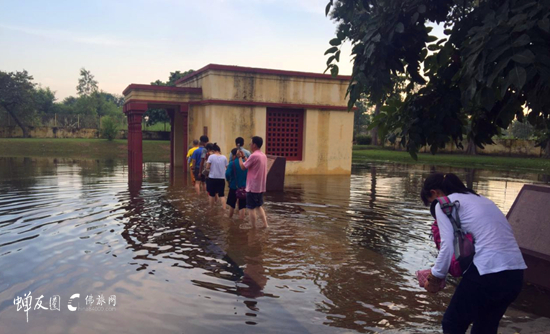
339 255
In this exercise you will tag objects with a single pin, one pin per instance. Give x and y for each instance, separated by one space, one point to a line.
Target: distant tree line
25 101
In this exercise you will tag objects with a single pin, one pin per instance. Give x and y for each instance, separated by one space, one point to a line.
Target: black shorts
254 200
232 199
215 187
198 176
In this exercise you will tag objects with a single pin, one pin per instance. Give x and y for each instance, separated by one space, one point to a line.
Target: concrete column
180 137
184 111
170 113
134 112
179 155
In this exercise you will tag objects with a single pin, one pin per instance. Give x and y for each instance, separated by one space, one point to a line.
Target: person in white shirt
216 163
494 278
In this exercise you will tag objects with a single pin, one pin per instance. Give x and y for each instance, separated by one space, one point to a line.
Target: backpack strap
448 207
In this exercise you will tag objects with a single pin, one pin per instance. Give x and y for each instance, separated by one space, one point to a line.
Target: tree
361 117
109 128
154 116
86 83
17 97
491 67
44 100
118 100
521 130
172 78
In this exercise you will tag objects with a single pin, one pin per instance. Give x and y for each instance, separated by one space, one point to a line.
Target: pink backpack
454 269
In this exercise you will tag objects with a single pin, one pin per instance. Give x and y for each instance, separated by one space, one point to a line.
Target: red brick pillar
134 112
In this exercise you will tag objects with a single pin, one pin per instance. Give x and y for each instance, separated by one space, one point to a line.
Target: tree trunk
471 148
19 123
547 150
374 131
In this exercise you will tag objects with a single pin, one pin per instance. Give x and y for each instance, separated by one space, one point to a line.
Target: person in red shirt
256 165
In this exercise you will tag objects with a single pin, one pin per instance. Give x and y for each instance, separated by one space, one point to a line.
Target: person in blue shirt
237 179
196 163
239 141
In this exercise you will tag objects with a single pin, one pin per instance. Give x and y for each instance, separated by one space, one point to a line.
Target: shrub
109 128
363 140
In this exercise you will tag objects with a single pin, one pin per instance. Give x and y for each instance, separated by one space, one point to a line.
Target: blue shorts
254 200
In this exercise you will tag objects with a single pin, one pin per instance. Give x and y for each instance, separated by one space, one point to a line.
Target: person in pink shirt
255 181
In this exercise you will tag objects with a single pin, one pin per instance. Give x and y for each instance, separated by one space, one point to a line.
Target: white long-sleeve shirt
495 244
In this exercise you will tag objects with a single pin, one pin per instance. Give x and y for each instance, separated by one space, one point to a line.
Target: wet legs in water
255 214
215 199
240 212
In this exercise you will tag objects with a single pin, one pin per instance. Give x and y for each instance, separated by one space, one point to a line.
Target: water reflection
340 253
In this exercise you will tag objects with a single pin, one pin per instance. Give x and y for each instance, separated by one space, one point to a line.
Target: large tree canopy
492 67
17 97
159 115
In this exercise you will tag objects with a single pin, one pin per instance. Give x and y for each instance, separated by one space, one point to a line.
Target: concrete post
134 113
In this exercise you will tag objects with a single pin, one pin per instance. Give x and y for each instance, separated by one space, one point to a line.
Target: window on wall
285 131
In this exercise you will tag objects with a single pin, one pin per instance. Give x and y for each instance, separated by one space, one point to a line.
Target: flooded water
339 256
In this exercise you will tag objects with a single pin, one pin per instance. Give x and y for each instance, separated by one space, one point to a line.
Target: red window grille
285 131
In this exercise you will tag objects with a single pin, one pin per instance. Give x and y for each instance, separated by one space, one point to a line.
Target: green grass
362 154
160 151
156 127
153 150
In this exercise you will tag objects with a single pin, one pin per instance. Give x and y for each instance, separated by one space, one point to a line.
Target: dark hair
447 183
195 142
234 152
204 139
216 148
239 141
258 141
209 147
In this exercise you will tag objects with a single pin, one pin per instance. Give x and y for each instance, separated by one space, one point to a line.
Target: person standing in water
189 161
216 163
494 278
256 179
237 179
196 161
239 141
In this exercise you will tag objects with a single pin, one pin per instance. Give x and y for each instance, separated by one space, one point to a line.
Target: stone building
301 116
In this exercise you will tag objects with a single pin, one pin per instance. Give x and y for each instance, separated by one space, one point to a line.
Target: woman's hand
433 284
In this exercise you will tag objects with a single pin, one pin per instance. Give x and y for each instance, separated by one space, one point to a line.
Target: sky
140 41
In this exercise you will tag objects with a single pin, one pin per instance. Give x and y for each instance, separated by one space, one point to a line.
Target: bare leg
224 204
252 217
262 217
211 201
231 211
241 213
198 187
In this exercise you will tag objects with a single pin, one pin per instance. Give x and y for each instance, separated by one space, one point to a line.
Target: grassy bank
81 149
368 153
160 151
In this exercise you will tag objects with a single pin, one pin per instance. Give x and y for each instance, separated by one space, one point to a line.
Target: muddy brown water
339 256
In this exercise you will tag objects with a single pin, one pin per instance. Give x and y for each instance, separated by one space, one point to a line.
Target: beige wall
165 96
327 135
225 123
179 141
237 86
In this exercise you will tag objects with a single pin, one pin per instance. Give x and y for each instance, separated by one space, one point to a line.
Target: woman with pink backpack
477 242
